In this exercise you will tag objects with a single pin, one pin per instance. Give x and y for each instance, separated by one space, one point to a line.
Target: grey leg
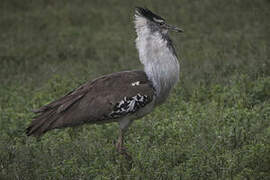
124 123
120 142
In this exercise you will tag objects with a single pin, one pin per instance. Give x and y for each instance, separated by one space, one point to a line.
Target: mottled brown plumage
93 102
124 96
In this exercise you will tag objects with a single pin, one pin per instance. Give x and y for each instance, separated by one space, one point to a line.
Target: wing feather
93 102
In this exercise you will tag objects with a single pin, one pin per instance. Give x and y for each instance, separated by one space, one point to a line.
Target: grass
215 124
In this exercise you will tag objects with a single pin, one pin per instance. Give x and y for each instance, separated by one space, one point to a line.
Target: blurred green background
215 124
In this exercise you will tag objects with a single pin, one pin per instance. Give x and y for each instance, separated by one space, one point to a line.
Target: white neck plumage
157 55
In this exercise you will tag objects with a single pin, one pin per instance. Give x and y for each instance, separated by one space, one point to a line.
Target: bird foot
122 150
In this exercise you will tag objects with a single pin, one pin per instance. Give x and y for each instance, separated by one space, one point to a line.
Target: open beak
174 28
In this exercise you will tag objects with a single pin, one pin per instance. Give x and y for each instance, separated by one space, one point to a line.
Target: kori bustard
122 96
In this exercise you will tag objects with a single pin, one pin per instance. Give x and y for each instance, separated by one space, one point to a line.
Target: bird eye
161 23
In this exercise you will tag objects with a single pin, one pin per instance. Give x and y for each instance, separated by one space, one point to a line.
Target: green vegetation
214 126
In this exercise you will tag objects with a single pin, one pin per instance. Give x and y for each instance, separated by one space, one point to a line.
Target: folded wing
102 100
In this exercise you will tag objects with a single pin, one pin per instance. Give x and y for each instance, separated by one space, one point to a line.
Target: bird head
144 18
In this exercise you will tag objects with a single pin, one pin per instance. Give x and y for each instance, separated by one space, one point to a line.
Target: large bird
123 96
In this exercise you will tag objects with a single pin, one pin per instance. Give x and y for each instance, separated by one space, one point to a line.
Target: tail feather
42 123
50 113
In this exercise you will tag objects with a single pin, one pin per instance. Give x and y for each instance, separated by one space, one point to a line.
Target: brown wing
97 101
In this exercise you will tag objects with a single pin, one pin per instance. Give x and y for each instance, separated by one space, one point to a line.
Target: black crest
147 13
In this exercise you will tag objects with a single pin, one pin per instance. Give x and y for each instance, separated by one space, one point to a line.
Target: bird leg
120 142
120 146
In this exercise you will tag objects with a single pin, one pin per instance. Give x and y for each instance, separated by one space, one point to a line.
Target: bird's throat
160 61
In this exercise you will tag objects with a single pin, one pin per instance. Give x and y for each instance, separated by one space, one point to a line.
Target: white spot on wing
135 83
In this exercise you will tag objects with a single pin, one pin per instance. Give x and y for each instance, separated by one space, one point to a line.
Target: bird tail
42 122
49 115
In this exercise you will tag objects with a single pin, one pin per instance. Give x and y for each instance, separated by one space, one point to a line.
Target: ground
215 125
